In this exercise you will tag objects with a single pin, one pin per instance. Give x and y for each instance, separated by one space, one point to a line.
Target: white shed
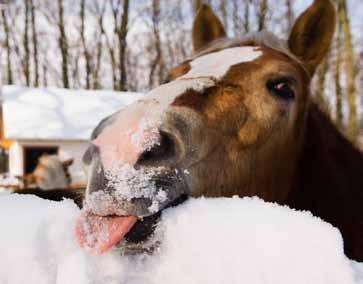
54 121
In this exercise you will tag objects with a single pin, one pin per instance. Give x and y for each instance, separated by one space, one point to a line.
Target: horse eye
281 88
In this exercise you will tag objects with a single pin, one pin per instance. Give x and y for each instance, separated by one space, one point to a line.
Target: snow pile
203 241
69 114
7 182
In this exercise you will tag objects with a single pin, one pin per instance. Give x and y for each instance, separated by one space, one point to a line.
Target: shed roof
57 114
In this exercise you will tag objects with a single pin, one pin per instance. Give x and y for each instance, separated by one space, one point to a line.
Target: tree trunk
320 84
109 45
157 63
262 11
236 18
7 47
45 75
96 80
86 55
223 9
63 44
35 44
246 18
100 9
338 87
122 33
289 15
352 130
196 5
26 60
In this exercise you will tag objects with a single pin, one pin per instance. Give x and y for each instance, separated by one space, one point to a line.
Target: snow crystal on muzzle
124 185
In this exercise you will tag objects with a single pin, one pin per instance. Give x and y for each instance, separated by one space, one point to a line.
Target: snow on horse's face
228 122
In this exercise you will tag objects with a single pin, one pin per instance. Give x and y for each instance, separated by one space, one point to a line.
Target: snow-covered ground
7 181
203 241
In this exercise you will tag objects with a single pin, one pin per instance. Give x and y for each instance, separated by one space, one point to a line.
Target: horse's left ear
312 34
206 28
68 162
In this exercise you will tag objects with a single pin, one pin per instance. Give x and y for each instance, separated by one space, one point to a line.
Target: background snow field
203 241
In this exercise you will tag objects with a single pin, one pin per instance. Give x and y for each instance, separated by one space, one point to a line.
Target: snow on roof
57 114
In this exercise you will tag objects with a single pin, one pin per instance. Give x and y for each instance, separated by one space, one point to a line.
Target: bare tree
26 60
98 11
63 43
35 44
349 66
289 14
45 74
196 5
337 71
262 11
86 53
9 71
122 33
320 84
120 30
223 9
157 62
246 17
115 7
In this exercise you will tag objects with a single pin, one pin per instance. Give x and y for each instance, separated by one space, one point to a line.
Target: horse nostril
163 152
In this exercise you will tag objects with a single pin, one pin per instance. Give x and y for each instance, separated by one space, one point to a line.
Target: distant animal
50 173
51 180
237 118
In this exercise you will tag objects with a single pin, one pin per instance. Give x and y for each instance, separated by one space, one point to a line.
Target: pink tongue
98 234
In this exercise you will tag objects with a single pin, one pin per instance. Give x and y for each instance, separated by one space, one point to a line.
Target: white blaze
218 63
204 72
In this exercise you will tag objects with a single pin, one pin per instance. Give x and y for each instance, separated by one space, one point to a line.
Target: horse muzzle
137 191
137 165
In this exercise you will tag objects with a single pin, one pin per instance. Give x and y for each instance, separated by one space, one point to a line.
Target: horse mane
329 179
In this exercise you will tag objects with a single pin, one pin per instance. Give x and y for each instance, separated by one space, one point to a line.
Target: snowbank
8 181
204 241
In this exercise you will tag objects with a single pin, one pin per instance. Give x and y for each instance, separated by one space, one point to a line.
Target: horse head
228 121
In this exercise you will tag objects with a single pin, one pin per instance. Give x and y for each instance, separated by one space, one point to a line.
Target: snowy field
203 241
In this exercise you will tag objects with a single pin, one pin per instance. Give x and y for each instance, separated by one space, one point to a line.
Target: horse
236 118
49 173
51 180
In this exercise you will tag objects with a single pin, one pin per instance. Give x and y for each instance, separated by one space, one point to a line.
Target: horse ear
206 28
312 33
68 162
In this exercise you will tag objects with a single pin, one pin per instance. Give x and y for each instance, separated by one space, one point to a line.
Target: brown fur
260 145
329 180
207 28
314 28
